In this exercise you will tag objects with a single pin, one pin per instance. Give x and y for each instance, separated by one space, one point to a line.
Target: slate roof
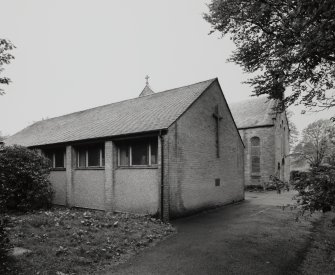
146 113
254 112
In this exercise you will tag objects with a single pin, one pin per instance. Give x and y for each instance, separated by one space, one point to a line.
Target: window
138 153
255 153
91 156
56 157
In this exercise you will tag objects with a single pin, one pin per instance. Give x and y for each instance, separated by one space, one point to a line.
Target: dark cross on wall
217 117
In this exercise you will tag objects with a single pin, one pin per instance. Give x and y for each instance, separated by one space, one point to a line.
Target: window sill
256 175
58 169
138 167
90 168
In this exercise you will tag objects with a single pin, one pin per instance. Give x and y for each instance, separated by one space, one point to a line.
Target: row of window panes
93 156
135 153
138 153
90 157
57 158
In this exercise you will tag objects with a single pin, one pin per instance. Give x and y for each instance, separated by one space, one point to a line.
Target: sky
78 54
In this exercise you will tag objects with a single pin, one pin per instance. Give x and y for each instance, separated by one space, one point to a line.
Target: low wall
137 190
89 188
58 182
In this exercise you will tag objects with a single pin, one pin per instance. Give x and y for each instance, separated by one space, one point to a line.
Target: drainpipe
164 217
162 174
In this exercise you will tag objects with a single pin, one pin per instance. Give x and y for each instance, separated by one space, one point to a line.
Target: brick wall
282 147
58 182
193 163
274 142
267 155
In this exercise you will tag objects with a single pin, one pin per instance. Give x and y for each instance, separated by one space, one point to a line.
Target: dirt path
253 237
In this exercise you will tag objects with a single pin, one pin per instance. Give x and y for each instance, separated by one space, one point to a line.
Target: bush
24 179
277 184
4 245
316 189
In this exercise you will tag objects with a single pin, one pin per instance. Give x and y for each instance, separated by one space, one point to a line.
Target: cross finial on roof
147 79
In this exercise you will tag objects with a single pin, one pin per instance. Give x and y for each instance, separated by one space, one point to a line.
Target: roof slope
147 113
257 111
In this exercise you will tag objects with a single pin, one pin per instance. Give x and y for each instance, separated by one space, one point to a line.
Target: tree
294 133
5 58
316 144
286 43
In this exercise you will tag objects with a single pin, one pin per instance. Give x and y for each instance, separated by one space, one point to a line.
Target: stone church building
168 153
265 134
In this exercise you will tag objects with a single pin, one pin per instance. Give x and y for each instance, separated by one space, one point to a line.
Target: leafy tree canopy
317 143
5 58
287 43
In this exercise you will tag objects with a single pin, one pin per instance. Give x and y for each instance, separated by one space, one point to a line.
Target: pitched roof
257 111
147 113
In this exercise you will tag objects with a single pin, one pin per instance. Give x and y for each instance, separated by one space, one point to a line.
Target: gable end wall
193 164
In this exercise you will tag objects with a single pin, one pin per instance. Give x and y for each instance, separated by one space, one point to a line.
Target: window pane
255 141
154 151
59 159
124 155
49 156
82 158
139 153
94 156
255 164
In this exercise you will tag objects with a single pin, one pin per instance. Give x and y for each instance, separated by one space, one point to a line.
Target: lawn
76 241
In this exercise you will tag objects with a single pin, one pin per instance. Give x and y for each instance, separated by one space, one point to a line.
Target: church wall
274 151
282 147
193 164
137 190
267 155
89 188
58 183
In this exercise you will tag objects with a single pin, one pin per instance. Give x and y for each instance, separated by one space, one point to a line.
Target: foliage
316 144
4 245
277 184
24 183
5 58
294 133
78 241
316 189
287 43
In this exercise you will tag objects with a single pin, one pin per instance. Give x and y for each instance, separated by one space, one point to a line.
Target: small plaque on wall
217 182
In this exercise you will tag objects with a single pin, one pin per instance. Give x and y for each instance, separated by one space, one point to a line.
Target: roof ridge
130 99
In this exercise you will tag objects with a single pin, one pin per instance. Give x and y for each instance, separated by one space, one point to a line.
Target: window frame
130 152
53 160
86 149
254 155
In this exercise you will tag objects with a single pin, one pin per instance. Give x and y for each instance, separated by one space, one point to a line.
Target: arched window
255 154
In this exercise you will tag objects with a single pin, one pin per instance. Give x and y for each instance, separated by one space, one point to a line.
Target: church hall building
168 153
265 133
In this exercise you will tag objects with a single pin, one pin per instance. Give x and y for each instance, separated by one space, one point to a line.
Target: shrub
24 179
316 189
4 245
277 184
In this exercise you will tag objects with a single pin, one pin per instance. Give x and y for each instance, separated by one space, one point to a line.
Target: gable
143 114
216 92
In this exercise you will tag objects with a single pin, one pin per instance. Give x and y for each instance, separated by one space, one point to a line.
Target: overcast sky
74 55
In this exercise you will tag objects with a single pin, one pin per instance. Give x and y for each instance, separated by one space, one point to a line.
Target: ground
257 236
77 241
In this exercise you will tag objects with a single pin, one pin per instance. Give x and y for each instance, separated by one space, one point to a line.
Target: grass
75 241
320 257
